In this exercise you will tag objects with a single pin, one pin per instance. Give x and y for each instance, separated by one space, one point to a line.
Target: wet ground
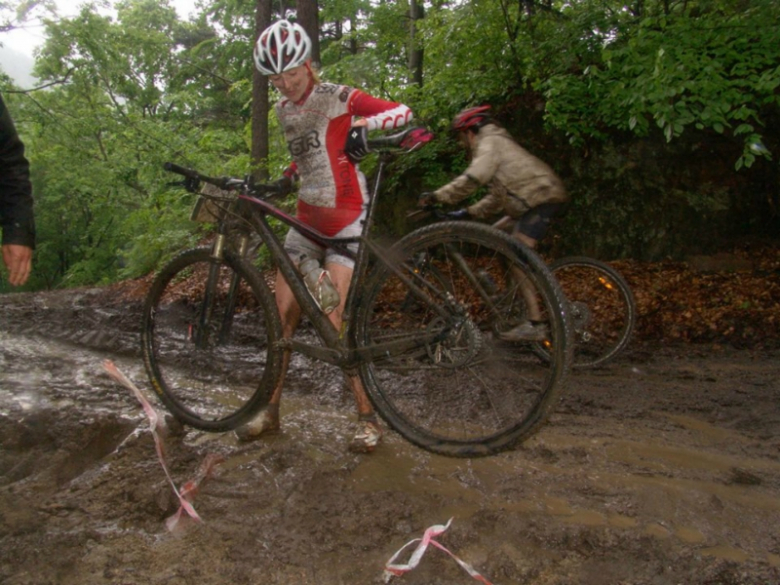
660 468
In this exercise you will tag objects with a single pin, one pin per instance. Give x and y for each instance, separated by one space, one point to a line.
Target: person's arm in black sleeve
16 201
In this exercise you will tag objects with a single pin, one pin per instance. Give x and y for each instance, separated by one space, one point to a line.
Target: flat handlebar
407 140
193 179
180 170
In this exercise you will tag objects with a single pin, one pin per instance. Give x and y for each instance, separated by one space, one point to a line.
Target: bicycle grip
174 168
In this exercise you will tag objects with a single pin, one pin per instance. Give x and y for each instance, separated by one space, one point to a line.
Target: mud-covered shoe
527 331
265 423
367 436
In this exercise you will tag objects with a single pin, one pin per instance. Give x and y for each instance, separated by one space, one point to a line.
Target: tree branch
40 87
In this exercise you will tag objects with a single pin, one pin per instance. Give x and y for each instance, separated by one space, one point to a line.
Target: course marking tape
154 425
190 489
396 570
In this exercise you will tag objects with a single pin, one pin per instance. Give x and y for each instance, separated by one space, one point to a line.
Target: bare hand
18 260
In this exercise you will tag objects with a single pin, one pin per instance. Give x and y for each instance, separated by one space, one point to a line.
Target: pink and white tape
396 570
190 488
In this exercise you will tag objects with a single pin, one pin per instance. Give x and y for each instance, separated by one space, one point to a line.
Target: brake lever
191 184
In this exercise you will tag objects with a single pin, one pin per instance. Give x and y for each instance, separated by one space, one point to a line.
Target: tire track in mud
659 468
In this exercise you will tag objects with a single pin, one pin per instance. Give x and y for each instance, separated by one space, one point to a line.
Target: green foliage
701 66
126 97
646 201
662 117
469 60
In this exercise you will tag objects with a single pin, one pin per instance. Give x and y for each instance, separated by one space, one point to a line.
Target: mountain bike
437 373
601 306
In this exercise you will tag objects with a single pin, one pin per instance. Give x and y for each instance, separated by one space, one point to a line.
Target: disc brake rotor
461 343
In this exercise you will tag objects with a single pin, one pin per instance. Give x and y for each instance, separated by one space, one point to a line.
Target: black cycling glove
356 147
285 185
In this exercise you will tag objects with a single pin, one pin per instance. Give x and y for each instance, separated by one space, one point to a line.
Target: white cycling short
299 247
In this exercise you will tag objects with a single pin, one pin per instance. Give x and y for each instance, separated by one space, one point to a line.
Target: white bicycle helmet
282 46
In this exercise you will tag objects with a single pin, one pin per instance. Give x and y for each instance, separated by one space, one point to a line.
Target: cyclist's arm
16 201
482 169
457 190
490 205
378 114
291 172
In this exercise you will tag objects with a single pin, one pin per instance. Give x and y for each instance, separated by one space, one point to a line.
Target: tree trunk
353 46
308 18
260 105
416 12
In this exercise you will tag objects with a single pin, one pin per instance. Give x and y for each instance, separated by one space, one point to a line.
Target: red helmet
471 117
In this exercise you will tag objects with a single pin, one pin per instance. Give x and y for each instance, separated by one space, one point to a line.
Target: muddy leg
534 314
267 421
368 431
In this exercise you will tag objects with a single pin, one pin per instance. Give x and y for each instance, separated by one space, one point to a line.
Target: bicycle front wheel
208 340
440 370
602 309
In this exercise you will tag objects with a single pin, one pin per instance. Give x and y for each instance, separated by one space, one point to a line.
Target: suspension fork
232 298
212 282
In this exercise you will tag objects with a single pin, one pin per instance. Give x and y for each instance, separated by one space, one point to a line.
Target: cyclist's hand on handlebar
284 186
356 147
458 214
426 199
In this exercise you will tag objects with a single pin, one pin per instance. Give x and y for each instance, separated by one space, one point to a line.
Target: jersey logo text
304 144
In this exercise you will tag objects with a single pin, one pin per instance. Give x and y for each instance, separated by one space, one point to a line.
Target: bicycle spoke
209 353
466 391
602 308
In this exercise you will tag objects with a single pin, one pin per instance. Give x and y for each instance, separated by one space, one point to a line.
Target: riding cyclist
520 185
326 127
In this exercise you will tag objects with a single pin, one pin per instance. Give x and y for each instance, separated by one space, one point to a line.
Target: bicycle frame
338 347
438 371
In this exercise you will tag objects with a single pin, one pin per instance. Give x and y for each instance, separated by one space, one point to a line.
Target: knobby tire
463 391
601 306
214 366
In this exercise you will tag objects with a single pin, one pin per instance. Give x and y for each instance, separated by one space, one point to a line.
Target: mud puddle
661 468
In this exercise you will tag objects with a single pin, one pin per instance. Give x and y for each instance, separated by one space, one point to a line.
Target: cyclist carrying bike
520 185
326 128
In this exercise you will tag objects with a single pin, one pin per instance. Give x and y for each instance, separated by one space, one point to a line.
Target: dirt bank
661 468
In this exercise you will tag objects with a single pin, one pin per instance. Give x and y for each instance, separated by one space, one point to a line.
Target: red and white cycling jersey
332 192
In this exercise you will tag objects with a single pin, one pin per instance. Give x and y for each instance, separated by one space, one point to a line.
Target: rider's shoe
265 423
368 435
527 331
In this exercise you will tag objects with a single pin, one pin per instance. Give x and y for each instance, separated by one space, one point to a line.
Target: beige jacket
517 180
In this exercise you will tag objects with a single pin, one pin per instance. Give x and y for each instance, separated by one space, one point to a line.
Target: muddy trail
660 468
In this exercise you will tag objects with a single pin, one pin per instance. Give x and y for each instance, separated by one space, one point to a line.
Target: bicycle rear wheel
602 309
208 340
438 371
